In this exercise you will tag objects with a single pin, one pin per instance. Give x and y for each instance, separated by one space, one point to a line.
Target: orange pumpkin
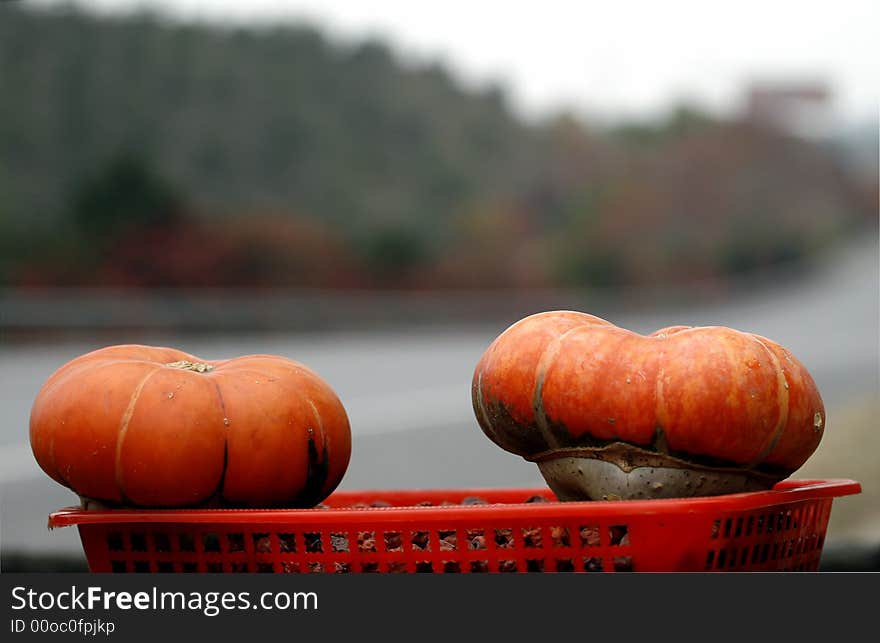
148 426
609 413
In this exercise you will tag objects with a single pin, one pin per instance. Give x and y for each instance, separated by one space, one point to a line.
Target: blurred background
379 190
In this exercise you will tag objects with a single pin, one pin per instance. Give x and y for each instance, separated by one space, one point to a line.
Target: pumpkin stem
184 365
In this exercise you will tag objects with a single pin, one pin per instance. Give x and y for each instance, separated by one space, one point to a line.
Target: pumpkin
607 413
157 427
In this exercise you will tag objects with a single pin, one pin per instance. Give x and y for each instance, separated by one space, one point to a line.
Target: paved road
407 393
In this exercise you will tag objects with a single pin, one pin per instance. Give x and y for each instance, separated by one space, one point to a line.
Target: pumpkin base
625 472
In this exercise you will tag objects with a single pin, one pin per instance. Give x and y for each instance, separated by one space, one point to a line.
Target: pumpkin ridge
783 398
319 423
661 414
52 383
222 481
123 429
317 474
483 415
548 355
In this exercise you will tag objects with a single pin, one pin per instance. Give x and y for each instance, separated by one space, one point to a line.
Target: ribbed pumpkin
157 427
608 413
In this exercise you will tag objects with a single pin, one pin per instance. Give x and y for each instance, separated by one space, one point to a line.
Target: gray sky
605 59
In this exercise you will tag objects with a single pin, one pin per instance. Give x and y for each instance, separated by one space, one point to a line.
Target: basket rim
784 492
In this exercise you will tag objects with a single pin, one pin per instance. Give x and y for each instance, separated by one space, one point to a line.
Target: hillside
275 157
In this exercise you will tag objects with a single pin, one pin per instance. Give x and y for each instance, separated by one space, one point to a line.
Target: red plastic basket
782 529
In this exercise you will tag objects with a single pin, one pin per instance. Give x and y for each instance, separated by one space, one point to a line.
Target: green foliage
271 117
305 162
125 196
393 252
682 121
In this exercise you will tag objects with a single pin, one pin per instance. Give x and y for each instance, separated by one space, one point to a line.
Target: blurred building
799 109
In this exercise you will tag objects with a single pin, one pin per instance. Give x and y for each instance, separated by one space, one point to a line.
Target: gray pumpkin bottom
590 476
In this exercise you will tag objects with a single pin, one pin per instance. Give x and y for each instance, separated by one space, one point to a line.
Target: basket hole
316 568
164 567
589 536
420 541
737 532
290 568
618 535
750 524
115 541
535 566
743 556
262 543
118 566
211 542
397 568
504 538
536 498
366 541
235 542
759 524
313 542
451 567
765 551
341 568
448 540
710 558
476 539
141 566
424 567
370 568
214 568
161 542
393 541
238 568
287 543
532 537
716 528
564 565
560 536
479 566
722 558
727 524
186 542
593 564
138 542
339 542
623 563
507 566
732 558
265 568
190 568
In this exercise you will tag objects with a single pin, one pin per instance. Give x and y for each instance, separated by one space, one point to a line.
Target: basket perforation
422 531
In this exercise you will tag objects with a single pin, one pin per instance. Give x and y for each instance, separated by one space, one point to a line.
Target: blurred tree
377 171
393 253
125 196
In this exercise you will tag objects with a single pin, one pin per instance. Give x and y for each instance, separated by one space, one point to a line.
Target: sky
606 60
